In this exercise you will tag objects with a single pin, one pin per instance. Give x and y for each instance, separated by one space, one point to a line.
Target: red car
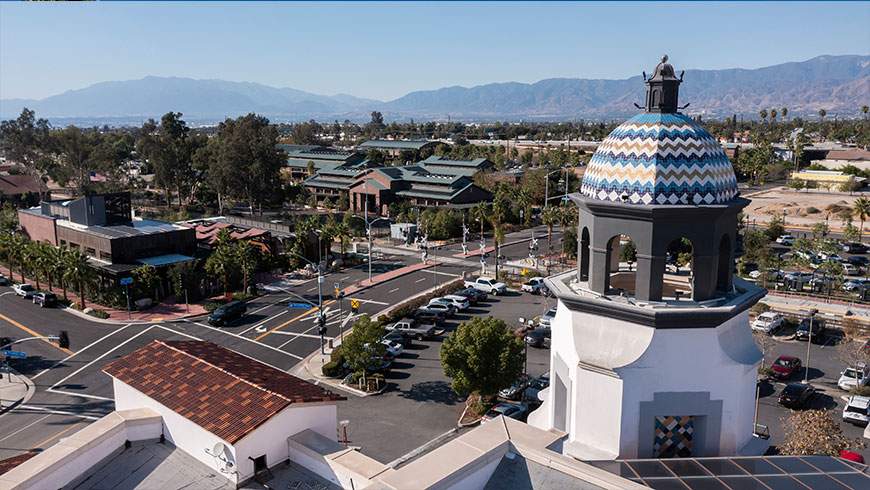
784 366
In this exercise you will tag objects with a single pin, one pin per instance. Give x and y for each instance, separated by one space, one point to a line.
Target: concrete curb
30 390
353 288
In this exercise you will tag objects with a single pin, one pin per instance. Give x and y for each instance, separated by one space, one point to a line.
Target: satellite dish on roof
222 453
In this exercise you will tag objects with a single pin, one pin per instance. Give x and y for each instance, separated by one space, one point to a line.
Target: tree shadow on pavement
432 391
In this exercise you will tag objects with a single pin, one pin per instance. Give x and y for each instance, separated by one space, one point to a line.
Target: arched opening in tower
583 256
621 265
679 277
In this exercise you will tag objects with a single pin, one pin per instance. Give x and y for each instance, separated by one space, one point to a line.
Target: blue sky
384 50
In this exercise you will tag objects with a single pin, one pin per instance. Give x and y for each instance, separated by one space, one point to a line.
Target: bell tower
652 354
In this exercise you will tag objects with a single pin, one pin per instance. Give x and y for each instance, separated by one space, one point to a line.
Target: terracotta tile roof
13 185
9 463
222 391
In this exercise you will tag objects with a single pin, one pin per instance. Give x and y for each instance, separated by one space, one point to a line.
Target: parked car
850 270
399 337
855 248
787 240
856 285
413 328
428 317
784 367
818 328
539 337
4 281
44 300
473 295
534 285
445 308
796 395
858 261
547 317
394 348
515 411
856 410
853 376
516 389
461 303
24 290
797 280
772 274
487 285
227 313
535 387
768 322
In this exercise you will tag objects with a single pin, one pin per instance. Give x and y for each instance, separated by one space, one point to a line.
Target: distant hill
839 84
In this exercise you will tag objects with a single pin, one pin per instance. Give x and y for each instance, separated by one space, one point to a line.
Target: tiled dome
660 158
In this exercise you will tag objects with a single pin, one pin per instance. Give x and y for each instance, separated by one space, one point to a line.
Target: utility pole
368 226
812 313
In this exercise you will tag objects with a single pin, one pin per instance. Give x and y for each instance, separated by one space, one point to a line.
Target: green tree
145 278
221 263
78 272
362 349
822 114
247 258
482 356
170 149
851 233
628 253
763 115
32 257
550 218
861 209
775 227
184 278
27 141
797 184
79 154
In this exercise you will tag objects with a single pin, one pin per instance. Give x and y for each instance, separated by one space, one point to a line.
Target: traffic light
321 322
63 339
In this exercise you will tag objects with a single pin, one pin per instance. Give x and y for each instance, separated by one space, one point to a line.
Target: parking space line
392 290
305 335
34 333
430 271
58 412
83 395
81 350
422 279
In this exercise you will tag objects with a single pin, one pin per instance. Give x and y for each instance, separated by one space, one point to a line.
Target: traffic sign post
354 305
126 281
14 354
298 306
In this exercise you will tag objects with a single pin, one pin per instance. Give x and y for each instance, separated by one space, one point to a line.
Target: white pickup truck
410 328
487 285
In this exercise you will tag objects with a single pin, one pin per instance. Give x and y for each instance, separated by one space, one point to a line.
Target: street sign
15 354
126 281
354 305
299 306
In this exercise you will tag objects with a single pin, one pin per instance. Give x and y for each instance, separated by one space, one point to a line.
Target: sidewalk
801 305
158 312
15 389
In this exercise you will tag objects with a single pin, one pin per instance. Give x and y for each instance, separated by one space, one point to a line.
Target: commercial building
412 149
415 185
441 165
102 226
303 159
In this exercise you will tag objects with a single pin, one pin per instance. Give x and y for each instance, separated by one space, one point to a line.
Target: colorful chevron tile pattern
660 159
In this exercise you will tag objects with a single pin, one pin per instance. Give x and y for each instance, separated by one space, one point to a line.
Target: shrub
860 391
212 305
98 314
333 369
408 307
759 308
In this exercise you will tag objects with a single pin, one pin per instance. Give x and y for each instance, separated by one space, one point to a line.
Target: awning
167 259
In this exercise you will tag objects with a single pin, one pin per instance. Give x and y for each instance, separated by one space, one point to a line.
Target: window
91 252
105 256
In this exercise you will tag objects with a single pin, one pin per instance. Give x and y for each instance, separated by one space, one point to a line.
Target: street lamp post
812 313
547 186
320 320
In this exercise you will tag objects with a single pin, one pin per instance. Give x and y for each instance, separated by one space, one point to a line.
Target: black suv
803 330
227 313
44 300
426 317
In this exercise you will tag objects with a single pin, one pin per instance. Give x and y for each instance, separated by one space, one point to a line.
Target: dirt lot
803 209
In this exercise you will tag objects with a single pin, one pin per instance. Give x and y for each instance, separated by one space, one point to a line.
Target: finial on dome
662 89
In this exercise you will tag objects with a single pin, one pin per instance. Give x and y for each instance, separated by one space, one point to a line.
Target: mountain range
839 84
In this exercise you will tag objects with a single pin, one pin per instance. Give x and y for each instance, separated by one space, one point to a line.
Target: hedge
411 305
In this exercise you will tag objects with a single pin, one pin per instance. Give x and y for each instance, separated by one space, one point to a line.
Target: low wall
73 456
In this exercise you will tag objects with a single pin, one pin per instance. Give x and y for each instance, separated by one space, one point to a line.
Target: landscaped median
329 368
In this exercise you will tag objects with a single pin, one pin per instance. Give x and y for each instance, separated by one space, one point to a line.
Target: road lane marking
382 303
27 426
288 322
392 290
243 332
307 336
113 350
261 344
80 351
34 333
311 290
59 412
422 279
441 273
40 443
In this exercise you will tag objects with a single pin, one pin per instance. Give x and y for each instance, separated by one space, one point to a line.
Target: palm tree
247 257
763 114
54 257
29 254
550 217
342 232
864 110
822 114
6 249
38 260
78 272
773 115
861 209
784 112
221 262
